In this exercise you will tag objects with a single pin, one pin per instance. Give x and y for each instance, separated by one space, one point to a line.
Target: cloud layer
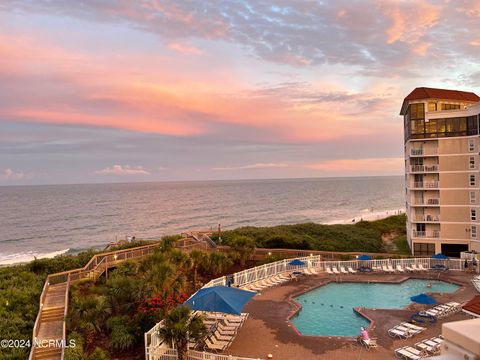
221 88
123 170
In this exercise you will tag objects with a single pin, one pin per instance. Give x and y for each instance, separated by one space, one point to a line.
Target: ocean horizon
47 220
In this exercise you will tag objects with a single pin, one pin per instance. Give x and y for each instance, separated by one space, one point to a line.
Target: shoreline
29 256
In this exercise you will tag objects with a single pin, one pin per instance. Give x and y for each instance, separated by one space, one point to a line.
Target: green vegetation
362 236
180 327
114 312
108 318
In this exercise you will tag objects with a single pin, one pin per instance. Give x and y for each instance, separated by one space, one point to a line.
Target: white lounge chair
415 267
420 266
351 271
342 270
413 326
400 269
395 333
390 269
408 353
335 271
385 269
216 346
409 268
329 271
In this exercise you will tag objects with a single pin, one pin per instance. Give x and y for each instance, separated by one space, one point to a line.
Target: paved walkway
268 331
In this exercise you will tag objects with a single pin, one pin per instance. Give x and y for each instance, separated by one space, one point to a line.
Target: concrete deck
267 329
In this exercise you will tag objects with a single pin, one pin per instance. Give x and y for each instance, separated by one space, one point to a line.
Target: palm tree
197 259
243 247
219 263
179 327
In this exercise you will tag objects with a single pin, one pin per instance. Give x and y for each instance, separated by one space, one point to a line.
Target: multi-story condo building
442 163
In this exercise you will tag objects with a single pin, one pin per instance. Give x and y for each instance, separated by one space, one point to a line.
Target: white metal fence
155 349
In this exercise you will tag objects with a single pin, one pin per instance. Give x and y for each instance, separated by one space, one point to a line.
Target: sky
150 90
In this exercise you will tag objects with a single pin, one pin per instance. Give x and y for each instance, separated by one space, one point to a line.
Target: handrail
65 311
37 320
77 274
94 259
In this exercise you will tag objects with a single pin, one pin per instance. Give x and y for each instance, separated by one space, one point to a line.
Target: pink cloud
9 174
370 165
123 170
184 49
254 166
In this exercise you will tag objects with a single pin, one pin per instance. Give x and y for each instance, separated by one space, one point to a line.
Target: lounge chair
329 271
395 333
335 271
422 346
408 352
390 269
369 344
420 266
342 270
409 268
385 269
216 346
351 271
400 269
413 326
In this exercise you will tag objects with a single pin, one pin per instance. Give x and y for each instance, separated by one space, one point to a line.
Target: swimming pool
328 310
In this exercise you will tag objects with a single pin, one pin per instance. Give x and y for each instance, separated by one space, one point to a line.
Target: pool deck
268 330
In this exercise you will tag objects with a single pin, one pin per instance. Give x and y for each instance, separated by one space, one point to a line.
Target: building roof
422 93
473 306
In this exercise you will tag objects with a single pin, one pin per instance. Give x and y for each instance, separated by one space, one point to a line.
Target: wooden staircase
49 331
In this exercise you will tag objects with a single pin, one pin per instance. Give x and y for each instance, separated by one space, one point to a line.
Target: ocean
47 220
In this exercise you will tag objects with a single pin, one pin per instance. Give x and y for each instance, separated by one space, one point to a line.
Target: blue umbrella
220 299
423 299
364 257
440 256
296 262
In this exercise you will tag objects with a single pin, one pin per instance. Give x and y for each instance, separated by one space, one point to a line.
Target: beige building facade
442 177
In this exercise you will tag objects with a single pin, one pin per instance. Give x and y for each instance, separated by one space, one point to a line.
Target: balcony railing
427 218
426 184
432 201
423 152
424 168
435 234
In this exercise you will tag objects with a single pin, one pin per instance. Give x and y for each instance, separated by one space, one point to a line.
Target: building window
432 106
473 180
471 162
423 249
473 214
471 145
417 111
450 106
473 231
473 197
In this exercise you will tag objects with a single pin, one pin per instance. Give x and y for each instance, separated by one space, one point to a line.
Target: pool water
328 310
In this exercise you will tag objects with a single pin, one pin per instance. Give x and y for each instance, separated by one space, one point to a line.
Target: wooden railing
38 319
98 261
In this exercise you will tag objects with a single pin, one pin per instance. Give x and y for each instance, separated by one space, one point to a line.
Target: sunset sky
151 90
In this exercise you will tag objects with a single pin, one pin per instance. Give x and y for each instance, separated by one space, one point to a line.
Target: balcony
423 152
423 168
427 218
435 234
425 185
426 202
